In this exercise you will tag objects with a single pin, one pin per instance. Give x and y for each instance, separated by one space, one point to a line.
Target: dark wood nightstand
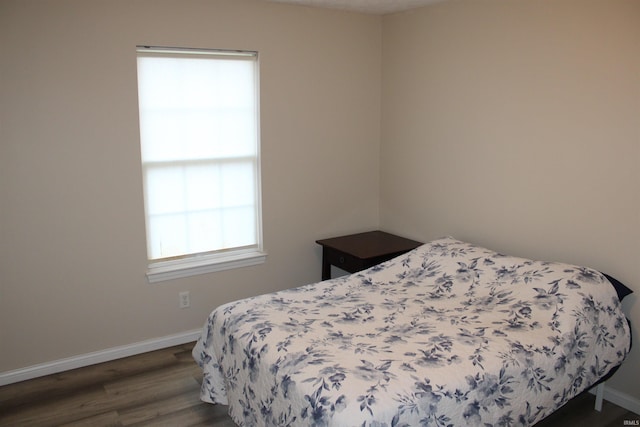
360 251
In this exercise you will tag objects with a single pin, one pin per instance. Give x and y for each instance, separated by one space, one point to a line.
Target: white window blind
199 133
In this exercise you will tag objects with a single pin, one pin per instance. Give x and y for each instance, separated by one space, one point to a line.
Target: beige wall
72 243
516 125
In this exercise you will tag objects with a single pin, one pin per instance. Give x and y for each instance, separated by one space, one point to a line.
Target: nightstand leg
326 267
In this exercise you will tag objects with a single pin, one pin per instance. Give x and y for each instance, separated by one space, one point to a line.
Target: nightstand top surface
370 244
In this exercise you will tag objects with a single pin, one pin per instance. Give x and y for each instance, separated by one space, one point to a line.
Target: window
199 132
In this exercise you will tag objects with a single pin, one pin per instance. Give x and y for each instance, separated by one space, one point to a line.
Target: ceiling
378 7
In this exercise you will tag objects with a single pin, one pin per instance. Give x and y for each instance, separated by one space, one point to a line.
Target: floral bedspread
447 334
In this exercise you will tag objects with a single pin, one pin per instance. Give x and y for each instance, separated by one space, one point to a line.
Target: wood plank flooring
156 388
161 388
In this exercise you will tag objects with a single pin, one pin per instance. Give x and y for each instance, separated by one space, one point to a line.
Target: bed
448 334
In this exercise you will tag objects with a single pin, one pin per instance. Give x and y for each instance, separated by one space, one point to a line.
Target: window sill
177 269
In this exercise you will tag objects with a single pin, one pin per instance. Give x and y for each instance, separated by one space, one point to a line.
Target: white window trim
194 265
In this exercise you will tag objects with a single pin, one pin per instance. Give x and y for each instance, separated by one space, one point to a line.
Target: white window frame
207 262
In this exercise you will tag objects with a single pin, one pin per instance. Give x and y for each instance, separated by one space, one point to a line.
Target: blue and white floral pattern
448 334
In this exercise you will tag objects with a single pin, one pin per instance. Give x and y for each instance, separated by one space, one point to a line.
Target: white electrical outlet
185 299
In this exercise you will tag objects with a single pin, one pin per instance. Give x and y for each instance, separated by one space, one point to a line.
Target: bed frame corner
599 396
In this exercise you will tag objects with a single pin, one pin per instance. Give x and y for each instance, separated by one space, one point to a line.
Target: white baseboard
621 399
93 358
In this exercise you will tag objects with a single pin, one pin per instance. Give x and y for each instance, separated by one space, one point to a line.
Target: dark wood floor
161 388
